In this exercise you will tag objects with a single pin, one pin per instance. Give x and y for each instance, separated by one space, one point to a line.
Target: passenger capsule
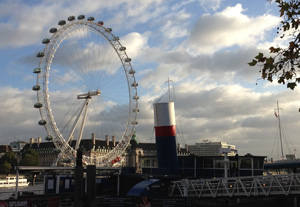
136 110
81 17
53 30
116 38
127 60
131 71
122 48
49 138
134 122
62 22
71 18
40 55
42 122
134 84
38 105
37 70
100 23
36 87
91 19
136 97
108 29
46 41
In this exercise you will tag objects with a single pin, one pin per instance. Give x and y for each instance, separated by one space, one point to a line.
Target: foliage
29 158
8 162
284 64
5 167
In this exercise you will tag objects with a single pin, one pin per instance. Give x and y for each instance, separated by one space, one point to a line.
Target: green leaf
269 61
291 85
270 78
288 75
282 11
274 50
253 63
281 80
259 56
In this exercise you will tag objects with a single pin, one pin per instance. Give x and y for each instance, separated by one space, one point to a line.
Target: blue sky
203 46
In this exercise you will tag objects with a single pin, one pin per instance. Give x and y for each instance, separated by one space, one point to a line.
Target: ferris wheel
86 87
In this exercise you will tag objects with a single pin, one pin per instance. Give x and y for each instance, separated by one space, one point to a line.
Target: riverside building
208 148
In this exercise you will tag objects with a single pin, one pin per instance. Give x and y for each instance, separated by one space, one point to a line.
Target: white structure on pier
208 148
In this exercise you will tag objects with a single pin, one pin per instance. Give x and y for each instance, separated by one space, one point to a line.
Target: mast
168 81
279 126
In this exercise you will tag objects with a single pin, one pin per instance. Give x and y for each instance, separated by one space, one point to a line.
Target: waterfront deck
238 186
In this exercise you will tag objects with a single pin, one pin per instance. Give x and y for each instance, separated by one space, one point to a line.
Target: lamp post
225 151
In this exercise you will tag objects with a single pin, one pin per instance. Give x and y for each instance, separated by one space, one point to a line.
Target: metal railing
238 186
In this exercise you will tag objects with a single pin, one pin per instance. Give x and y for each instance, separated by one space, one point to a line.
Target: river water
5 193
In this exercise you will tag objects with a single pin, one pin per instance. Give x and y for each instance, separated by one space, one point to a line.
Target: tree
284 63
8 162
29 158
5 167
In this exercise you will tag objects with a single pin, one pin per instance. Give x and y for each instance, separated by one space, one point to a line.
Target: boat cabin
193 166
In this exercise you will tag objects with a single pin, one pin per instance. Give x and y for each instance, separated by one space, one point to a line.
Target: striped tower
165 133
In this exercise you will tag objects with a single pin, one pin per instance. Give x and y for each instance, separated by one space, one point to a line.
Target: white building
17 146
208 148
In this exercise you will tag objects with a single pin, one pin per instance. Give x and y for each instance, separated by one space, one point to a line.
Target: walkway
238 186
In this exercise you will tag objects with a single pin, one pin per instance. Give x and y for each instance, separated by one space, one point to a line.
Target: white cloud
138 8
27 24
229 28
180 65
135 44
24 24
174 25
210 4
132 13
18 118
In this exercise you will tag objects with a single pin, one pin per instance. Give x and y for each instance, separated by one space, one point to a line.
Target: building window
219 163
245 163
146 162
208 163
255 164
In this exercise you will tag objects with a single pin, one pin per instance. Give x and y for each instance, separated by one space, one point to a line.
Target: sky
202 46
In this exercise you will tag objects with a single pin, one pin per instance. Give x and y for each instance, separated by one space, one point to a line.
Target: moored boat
10 181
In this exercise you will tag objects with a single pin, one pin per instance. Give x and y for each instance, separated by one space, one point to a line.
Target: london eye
86 85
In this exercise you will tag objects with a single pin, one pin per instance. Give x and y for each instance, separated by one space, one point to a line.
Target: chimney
113 139
107 140
31 141
93 139
186 148
178 148
39 140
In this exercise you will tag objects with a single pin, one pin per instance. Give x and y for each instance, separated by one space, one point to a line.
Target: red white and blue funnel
165 133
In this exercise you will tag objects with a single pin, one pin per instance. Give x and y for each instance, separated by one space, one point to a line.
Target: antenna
168 81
